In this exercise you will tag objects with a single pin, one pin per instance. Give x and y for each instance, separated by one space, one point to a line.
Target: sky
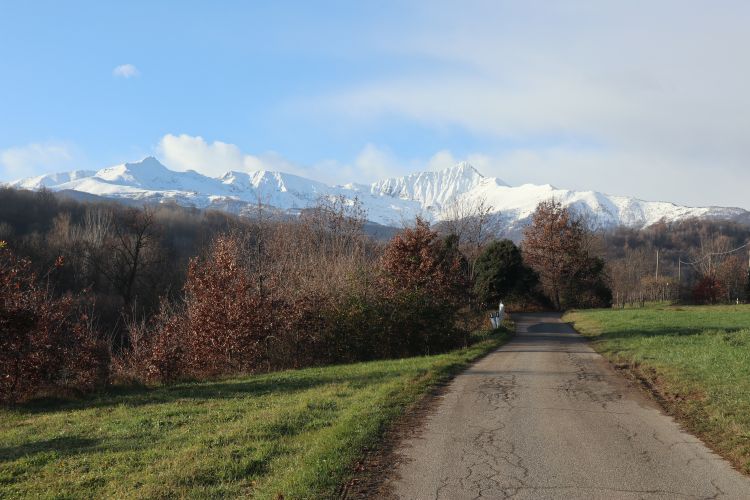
638 98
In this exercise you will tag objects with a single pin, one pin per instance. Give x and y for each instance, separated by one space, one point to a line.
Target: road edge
373 471
647 381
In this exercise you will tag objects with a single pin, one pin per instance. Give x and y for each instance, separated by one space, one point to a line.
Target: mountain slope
390 202
434 190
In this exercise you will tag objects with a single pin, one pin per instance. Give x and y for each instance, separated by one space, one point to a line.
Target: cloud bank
584 94
187 152
35 158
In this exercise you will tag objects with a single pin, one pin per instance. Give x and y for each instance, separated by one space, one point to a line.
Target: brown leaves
555 247
709 290
417 259
423 279
237 317
45 342
221 325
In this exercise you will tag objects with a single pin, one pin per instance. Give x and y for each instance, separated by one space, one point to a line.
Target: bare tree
133 250
95 236
474 222
338 222
97 226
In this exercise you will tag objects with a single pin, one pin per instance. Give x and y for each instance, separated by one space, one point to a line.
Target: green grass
296 433
697 359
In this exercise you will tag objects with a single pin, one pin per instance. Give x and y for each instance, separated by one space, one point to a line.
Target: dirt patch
373 473
649 380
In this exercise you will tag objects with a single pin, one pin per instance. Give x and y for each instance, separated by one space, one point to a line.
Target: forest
97 293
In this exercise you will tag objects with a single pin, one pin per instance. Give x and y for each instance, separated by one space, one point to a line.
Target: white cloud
187 152
35 158
645 176
667 92
126 71
373 163
442 160
618 173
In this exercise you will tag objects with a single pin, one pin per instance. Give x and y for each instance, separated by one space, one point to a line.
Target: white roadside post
497 318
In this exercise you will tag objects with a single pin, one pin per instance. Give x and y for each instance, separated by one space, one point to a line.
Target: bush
589 287
222 324
423 286
297 298
47 345
708 290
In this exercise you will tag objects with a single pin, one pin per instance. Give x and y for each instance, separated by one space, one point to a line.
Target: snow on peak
390 201
148 172
463 169
50 180
431 189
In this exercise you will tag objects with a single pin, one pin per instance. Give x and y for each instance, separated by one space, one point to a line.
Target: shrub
708 290
223 322
423 285
46 343
589 287
155 350
237 317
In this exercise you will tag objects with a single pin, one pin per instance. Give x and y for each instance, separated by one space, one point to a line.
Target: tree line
689 261
99 293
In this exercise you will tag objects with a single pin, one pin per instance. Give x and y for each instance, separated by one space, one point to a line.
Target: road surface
547 417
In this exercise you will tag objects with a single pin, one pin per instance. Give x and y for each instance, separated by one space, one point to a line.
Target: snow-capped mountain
389 202
433 190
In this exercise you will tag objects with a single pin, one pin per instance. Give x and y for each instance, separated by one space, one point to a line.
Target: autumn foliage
423 282
708 290
47 344
267 294
240 315
223 323
555 245
418 260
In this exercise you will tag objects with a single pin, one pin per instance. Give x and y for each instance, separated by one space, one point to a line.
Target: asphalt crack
548 417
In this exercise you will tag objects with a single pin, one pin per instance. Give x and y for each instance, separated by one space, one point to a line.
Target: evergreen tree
499 271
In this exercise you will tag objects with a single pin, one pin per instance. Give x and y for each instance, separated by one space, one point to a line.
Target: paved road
546 417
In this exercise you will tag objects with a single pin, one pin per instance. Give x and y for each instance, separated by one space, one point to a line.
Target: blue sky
636 98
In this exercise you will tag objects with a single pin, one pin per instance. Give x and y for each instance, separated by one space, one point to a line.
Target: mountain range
391 202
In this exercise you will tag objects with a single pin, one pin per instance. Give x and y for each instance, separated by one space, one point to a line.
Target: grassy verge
293 433
696 359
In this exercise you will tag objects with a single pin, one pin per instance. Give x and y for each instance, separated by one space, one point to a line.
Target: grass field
697 359
295 433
